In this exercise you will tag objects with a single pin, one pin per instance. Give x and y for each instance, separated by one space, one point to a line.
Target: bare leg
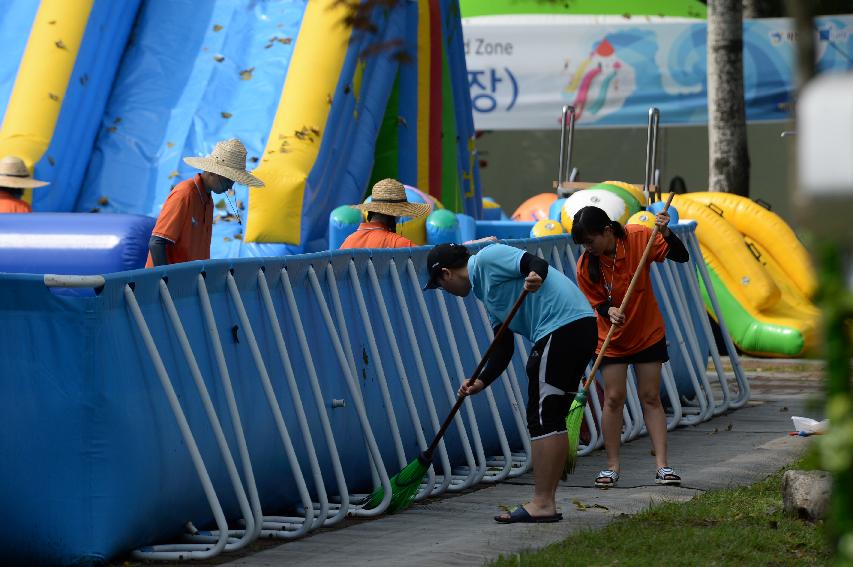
648 389
549 457
615 391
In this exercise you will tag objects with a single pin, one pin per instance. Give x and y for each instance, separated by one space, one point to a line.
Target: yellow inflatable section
275 211
37 96
761 273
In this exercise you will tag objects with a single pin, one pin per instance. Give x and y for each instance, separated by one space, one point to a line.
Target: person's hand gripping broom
575 417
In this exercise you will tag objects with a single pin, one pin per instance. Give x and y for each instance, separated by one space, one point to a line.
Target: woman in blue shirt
557 318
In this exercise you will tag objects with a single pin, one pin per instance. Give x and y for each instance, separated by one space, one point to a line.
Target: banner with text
522 69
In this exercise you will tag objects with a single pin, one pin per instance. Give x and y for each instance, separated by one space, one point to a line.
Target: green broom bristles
404 486
573 429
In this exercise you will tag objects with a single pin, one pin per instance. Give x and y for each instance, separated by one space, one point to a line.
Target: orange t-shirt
10 204
186 220
643 320
375 235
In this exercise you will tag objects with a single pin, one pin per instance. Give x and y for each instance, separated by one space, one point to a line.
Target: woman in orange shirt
605 269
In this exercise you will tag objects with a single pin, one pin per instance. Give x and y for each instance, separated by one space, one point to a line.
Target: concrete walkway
735 449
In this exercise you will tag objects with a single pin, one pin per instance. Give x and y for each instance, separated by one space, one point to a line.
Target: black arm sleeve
157 247
677 251
499 359
532 263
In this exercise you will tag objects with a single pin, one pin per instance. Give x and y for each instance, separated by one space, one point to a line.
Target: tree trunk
762 9
728 159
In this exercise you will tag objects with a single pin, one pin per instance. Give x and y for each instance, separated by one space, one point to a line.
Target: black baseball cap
444 256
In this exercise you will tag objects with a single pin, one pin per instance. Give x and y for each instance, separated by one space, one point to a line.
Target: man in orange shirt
185 224
14 178
387 202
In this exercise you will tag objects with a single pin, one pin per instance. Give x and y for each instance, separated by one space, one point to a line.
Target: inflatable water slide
104 98
762 274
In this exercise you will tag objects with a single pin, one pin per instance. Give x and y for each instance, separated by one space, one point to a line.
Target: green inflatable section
749 334
671 8
631 202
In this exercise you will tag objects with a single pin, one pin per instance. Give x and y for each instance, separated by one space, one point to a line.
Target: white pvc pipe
355 392
319 401
193 551
272 318
219 434
236 423
278 418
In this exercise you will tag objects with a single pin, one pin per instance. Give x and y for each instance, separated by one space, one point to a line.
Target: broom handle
634 279
504 326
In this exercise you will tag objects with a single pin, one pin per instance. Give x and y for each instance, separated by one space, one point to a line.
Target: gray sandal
666 475
607 478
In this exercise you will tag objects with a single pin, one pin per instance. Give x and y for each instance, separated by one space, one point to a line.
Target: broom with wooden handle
575 416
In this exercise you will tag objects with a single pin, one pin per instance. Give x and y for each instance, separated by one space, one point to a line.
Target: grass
743 526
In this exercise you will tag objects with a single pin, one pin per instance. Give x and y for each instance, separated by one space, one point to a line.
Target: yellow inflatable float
760 271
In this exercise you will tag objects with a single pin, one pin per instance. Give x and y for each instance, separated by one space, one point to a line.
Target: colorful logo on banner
521 71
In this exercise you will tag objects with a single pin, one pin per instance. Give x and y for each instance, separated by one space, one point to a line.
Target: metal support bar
281 427
248 535
349 375
192 551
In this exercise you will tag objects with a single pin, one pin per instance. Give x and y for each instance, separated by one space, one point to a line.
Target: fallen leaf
170 144
315 131
601 506
230 192
51 161
217 27
84 79
714 431
60 45
729 427
226 115
329 99
267 46
103 201
402 121
246 74
53 96
218 58
238 236
51 22
95 210
284 40
580 505
111 129
253 159
173 175
240 205
117 120
220 205
226 239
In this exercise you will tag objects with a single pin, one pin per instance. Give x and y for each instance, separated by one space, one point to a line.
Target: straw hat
388 197
15 175
228 159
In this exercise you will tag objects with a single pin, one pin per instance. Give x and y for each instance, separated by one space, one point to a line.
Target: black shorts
556 365
655 353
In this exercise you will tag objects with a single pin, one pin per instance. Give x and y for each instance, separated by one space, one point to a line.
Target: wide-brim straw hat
388 197
227 159
14 174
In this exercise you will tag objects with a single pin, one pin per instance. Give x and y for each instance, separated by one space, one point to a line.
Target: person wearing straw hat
14 178
387 203
185 224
